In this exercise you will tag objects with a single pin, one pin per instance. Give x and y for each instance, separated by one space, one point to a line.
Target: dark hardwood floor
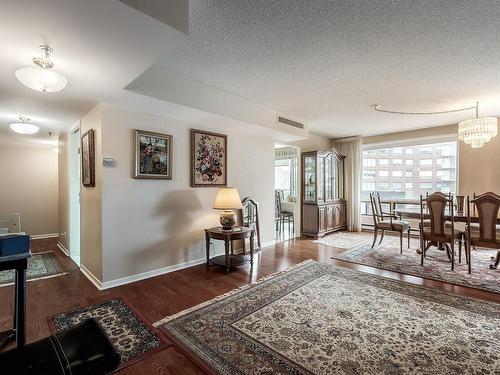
163 295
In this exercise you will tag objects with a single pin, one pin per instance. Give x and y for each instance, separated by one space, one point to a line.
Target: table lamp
228 200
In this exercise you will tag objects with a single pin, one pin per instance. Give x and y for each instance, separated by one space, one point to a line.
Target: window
406 171
426 162
425 174
397 173
383 173
369 163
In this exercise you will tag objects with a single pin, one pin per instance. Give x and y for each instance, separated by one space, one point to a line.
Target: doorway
286 192
74 194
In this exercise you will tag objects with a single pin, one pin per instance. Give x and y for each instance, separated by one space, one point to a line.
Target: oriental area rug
41 265
319 319
129 333
436 264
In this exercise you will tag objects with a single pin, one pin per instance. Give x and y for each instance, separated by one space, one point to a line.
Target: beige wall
477 168
91 202
312 143
152 224
29 186
63 184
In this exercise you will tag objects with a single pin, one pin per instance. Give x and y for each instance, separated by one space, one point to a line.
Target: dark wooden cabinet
323 204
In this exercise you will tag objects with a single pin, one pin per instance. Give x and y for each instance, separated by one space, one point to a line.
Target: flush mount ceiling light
41 77
24 127
474 132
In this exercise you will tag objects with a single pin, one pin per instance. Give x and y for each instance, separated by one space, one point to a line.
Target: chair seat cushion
457 234
396 225
475 235
427 223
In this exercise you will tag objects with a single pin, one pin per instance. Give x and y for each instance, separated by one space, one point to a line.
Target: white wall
28 185
151 224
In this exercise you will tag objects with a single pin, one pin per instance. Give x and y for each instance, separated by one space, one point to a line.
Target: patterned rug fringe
230 293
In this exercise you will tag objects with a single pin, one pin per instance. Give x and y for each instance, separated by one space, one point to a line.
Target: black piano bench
82 349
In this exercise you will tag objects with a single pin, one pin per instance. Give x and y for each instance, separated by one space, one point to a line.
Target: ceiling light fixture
24 127
474 132
41 77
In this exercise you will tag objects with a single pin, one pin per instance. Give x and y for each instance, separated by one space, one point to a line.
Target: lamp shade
41 79
227 198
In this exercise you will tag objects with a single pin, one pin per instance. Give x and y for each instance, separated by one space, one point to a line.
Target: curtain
351 148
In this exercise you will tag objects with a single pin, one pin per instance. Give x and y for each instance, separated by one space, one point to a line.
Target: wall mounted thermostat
108 162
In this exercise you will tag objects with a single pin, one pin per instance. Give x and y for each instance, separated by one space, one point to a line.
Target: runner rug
319 319
41 265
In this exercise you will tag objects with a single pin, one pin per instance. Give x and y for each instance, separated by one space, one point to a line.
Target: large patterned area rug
41 265
131 335
319 319
436 265
343 240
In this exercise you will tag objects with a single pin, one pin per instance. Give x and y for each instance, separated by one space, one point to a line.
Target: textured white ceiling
326 62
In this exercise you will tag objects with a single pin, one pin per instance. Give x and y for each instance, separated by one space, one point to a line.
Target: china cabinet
323 204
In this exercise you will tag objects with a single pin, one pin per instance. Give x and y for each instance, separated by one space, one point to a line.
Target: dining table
458 217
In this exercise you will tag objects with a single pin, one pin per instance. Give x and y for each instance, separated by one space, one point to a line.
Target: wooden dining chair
438 232
486 233
387 221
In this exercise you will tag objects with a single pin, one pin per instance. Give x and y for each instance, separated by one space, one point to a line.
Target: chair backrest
377 213
249 216
277 203
436 203
487 206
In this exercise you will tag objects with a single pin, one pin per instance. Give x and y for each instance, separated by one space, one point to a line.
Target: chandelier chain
376 108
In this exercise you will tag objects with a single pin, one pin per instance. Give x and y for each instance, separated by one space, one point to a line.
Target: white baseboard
94 280
42 236
63 249
148 274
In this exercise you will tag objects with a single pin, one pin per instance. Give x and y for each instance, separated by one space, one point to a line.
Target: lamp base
228 219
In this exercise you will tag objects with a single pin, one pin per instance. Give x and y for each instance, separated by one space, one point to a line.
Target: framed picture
88 159
208 159
152 155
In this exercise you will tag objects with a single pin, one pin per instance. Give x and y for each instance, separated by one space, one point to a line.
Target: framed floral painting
152 155
208 159
88 159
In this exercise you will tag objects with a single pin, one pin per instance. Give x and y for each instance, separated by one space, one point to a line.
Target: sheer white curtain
351 148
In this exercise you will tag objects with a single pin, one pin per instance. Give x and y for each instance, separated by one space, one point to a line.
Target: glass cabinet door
310 179
328 177
335 190
321 179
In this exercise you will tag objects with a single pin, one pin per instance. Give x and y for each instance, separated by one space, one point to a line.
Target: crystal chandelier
41 77
24 127
477 131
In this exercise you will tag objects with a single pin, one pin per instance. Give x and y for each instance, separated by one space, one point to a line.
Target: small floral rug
131 335
319 319
344 240
436 264
40 266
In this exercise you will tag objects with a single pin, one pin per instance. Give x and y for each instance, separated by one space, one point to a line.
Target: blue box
14 244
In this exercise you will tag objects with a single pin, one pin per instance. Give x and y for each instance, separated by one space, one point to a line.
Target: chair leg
495 260
459 251
453 254
422 250
470 259
408 238
381 237
375 237
401 242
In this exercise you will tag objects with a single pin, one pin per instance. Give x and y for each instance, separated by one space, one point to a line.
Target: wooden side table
229 259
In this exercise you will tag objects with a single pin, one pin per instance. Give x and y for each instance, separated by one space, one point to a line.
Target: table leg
20 307
244 246
226 248
207 247
252 245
